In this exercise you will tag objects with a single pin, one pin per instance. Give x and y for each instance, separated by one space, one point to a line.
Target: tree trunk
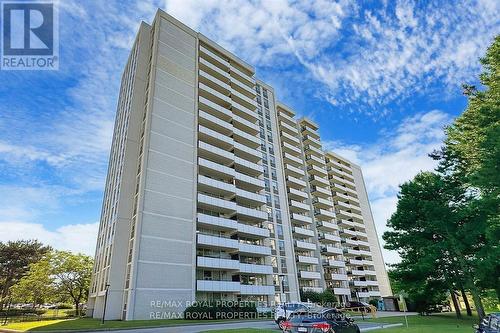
455 304
77 308
466 301
477 302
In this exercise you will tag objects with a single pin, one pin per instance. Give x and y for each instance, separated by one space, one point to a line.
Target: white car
279 312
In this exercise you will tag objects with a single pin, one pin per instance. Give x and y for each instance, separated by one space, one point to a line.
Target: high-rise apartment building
214 190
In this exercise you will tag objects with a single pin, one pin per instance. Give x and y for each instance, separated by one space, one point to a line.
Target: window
276 202
271 150
268 199
279 228
267 185
281 245
273 161
274 174
266 103
259 99
257 89
277 214
275 186
264 91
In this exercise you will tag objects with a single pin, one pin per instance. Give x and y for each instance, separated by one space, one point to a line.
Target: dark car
490 324
322 320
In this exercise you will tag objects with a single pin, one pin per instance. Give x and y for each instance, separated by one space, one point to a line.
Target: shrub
373 302
65 306
21 312
221 310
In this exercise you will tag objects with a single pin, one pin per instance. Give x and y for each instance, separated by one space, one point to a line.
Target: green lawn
445 323
89 323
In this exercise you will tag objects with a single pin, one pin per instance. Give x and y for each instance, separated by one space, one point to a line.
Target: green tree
36 287
434 229
15 258
71 273
471 153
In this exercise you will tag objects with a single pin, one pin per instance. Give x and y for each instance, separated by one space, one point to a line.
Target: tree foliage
447 224
15 258
36 287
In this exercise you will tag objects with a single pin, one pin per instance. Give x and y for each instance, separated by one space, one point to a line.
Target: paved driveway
207 327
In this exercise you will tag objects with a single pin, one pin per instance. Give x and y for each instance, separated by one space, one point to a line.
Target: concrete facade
214 191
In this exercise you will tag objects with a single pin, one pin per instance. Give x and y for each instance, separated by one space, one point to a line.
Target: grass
95 324
442 323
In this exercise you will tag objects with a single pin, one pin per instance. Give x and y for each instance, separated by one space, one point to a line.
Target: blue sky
381 78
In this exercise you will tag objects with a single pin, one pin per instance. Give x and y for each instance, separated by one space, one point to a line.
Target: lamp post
105 302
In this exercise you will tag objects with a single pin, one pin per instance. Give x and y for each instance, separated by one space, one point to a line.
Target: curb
380 327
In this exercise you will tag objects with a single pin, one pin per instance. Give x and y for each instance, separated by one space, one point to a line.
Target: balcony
218 286
326 237
357 283
339 277
334 263
309 275
307 260
256 290
214 83
313 289
327 226
300 219
305 245
214 95
331 250
216 204
249 198
285 137
214 123
322 203
372 283
308 139
213 69
315 160
373 293
245 138
215 169
294 171
297 206
318 181
214 58
321 192
216 223
343 181
297 194
295 182
214 109
249 182
337 164
250 154
254 250
317 171
302 232
363 294
242 77
214 186
218 264
243 88
215 154
314 151
248 167
256 269
285 117
214 242
245 125
343 189
244 112
252 231
294 150
342 291
292 130
251 214
293 160
323 214
243 99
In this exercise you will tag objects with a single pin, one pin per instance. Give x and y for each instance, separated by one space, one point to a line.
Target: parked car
490 324
279 312
358 306
320 320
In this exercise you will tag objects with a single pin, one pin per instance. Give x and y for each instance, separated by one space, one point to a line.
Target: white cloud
78 238
396 158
